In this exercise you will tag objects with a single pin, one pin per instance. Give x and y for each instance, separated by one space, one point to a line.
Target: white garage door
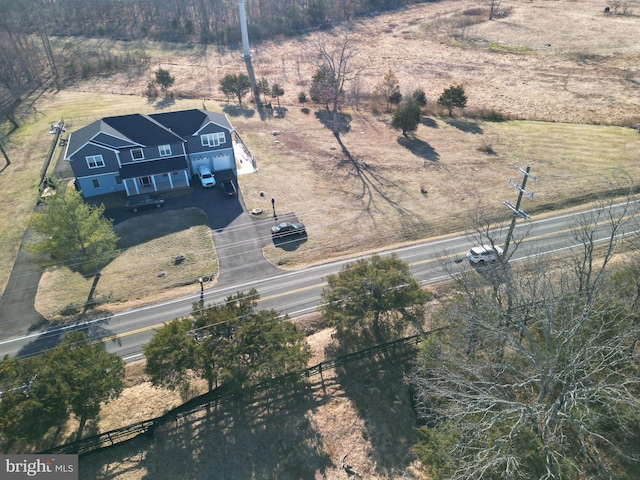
222 162
198 163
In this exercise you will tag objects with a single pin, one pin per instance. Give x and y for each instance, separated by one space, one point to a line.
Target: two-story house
149 153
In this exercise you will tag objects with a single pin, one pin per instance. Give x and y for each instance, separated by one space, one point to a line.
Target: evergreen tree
91 375
39 393
171 355
373 301
277 91
72 233
406 117
263 88
164 80
388 91
230 344
31 403
453 97
419 97
323 85
235 85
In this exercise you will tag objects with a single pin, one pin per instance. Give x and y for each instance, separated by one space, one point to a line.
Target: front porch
156 183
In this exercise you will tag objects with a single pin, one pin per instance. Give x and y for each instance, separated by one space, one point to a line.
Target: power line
516 209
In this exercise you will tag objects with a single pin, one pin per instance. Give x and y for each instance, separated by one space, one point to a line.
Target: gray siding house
149 153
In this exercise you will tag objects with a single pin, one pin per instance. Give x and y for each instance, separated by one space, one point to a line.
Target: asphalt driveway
238 239
238 236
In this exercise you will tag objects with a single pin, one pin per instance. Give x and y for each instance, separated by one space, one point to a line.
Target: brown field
574 90
527 65
564 67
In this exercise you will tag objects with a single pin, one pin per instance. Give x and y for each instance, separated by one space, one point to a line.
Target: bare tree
551 393
493 6
336 59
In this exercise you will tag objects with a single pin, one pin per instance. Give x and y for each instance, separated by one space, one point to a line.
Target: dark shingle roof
184 123
142 129
187 122
145 130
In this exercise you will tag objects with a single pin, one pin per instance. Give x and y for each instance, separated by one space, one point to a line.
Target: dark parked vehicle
144 201
287 228
229 188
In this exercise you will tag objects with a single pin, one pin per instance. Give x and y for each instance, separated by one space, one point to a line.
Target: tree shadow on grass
429 122
376 388
164 103
261 438
272 112
465 126
419 148
374 187
326 118
239 111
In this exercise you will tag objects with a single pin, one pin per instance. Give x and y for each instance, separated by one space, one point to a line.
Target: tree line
182 21
30 59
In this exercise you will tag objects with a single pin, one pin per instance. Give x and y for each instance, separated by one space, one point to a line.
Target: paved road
297 293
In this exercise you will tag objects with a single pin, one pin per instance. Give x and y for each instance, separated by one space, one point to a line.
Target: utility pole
246 53
516 209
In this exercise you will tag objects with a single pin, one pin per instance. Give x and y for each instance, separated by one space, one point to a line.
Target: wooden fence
223 394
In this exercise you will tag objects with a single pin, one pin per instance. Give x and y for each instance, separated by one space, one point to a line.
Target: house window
175 174
213 139
137 154
118 180
165 150
95 161
145 181
96 183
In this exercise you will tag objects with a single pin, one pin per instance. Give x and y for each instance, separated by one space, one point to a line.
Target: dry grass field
566 71
561 62
573 88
